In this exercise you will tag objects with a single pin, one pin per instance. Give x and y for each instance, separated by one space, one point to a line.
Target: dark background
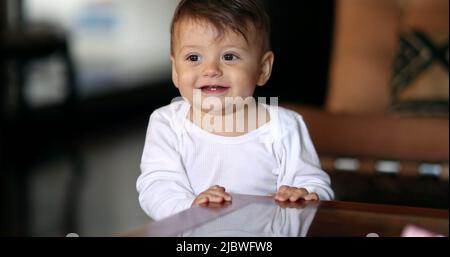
301 40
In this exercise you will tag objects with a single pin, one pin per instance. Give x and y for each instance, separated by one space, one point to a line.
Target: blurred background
79 79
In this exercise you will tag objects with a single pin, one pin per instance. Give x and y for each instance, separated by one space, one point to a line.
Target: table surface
255 216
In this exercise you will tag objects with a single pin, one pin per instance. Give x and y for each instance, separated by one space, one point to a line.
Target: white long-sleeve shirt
181 160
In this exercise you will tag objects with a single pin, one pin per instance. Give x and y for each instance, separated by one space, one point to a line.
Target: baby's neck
233 124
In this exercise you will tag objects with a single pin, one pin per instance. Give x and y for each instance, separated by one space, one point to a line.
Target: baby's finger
217 187
283 195
283 189
201 199
297 194
220 193
212 198
311 197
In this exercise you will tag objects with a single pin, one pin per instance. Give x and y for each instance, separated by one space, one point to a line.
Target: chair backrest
357 123
366 43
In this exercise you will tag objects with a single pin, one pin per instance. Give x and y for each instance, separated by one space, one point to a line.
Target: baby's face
221 67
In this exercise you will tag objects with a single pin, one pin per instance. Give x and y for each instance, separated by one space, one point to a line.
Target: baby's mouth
214 90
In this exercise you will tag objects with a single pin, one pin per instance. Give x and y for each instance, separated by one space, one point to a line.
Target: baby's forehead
188 28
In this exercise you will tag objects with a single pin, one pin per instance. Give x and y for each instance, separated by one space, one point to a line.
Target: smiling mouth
214 89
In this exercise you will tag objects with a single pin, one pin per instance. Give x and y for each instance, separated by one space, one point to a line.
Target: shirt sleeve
300 165
163 185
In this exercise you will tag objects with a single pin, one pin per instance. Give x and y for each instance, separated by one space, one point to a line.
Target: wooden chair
357 131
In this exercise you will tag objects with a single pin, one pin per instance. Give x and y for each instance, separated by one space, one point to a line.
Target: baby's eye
230 57
193 58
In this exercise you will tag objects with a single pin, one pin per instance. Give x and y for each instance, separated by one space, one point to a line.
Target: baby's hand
214 194
292 194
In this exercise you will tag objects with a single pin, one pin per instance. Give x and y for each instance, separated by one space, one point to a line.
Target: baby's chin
221 104
213 109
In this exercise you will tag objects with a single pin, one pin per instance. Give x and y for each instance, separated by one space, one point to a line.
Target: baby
217 140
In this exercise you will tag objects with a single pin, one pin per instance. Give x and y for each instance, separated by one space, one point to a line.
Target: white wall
115 42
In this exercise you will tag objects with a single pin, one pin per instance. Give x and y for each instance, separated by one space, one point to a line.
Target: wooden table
262 216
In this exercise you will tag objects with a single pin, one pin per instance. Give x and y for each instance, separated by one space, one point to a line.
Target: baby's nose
212 69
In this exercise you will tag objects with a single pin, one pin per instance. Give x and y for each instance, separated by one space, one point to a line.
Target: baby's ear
266 68
174 72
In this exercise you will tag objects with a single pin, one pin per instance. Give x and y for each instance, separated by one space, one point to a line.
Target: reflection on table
262 219
255 216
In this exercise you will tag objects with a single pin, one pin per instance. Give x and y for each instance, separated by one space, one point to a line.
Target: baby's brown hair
222 14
